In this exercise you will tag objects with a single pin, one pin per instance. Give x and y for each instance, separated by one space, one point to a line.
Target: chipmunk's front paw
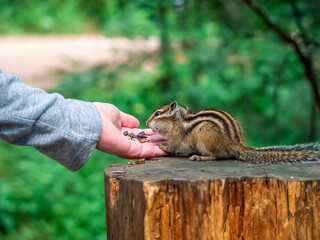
165 148
195 158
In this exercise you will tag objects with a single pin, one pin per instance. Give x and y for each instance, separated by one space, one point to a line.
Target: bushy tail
301 153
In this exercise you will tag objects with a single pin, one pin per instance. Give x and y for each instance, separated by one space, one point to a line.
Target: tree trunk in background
175 198
304 56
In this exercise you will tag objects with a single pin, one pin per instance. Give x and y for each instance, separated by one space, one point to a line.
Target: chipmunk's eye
157 113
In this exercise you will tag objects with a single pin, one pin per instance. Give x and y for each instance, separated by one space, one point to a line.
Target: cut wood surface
174 198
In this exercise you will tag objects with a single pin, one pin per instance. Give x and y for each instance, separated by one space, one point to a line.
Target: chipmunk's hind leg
202 158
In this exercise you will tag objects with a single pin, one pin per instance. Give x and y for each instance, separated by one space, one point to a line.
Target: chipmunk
215 134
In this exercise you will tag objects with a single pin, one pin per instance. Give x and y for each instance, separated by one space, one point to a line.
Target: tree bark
174 198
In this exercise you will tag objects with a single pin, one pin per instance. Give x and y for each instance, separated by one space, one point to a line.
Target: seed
141 135
132 135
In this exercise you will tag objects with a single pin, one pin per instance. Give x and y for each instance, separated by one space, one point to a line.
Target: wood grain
175 198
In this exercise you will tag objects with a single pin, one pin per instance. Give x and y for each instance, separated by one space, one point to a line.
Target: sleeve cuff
74 150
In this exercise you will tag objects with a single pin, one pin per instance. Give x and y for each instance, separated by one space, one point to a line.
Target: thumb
128 120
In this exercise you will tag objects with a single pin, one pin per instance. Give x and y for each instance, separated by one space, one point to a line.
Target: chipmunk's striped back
228 125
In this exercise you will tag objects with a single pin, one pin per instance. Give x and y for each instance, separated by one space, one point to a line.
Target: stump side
178 199
125 208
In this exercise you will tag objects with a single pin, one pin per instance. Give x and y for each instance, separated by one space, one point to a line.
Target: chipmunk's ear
173 108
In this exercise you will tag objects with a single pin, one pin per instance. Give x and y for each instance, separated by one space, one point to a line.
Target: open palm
114 142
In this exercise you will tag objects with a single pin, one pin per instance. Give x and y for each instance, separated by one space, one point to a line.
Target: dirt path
39 60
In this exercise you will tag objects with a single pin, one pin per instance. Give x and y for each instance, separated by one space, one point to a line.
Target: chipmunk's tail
301 153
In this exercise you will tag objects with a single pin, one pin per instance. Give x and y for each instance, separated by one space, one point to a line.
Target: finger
148 131
150 150
128 120
144 150
137 130
135 149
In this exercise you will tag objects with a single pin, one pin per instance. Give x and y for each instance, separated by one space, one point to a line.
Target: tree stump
175 198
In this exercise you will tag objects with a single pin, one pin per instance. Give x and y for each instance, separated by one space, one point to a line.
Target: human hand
112 140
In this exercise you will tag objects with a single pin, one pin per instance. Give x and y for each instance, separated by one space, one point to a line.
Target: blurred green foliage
39 199
213 54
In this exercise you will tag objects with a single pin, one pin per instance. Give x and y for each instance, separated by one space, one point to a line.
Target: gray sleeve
65 130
